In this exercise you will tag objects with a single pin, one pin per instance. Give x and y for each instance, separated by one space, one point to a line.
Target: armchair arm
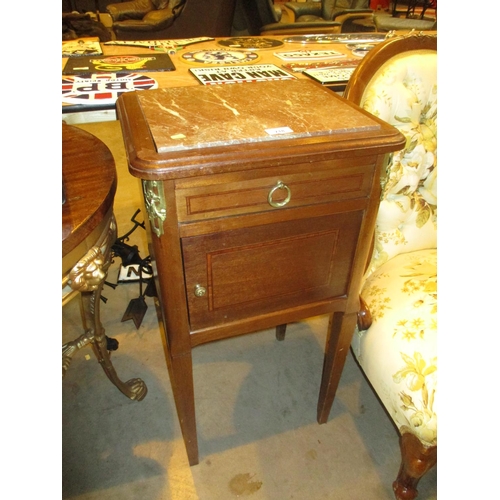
278 13
346 18
364 316
351 13
135 9
295 9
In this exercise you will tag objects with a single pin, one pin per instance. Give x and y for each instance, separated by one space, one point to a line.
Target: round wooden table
88 232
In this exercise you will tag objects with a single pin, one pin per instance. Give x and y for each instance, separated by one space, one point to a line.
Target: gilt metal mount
155 204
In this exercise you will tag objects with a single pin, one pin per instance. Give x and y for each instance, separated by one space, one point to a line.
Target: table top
182 77
184 60
169 133
182 118
89 185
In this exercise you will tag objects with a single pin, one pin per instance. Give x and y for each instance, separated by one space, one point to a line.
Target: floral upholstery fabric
398 353
404 94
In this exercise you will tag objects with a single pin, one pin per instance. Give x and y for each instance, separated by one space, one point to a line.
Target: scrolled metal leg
70 348
135 388
88 277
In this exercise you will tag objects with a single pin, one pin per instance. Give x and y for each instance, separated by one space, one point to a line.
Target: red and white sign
103 88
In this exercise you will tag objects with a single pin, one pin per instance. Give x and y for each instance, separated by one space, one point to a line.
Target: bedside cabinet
262 201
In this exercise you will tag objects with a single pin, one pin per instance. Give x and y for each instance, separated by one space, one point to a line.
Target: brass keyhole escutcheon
278 204
200 291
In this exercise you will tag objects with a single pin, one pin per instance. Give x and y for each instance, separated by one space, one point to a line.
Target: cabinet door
250 271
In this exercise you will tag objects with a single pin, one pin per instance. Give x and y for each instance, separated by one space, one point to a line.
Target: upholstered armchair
396 340
161 19
341 11
144 15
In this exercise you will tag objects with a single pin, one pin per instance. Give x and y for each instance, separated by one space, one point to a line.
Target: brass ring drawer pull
278 204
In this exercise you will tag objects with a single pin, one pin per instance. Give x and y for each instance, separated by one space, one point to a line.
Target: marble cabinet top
185 118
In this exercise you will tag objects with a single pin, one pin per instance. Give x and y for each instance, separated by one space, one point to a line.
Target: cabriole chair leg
416 460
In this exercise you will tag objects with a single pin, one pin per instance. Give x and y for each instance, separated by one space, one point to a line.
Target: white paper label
279 130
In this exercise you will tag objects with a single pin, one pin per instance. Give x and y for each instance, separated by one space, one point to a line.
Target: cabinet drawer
244 272
250 192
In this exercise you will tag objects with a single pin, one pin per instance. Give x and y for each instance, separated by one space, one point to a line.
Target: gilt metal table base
87 277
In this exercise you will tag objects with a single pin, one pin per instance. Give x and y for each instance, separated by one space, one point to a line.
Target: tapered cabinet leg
416 460
181 377
340 332
280 332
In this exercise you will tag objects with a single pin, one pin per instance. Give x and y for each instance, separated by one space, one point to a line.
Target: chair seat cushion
152 21
388 23
160 18
398 353
136 9
309 19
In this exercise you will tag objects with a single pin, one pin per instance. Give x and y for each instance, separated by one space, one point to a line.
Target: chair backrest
397 81
329 7
257 13
201 18
175 6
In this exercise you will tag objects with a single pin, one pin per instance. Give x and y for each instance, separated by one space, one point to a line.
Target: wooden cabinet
262 200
